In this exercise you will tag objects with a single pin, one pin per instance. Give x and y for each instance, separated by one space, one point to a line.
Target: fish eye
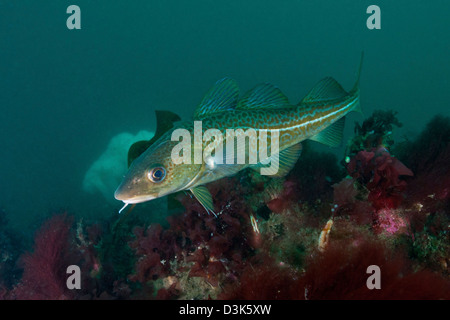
157 174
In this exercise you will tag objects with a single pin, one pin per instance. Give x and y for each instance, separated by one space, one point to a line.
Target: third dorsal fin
325 90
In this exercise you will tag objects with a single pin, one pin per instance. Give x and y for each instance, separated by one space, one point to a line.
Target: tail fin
355 90
356 86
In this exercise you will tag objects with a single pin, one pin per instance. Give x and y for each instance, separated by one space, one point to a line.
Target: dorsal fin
264 95
164 122
222 96
325 90
331 136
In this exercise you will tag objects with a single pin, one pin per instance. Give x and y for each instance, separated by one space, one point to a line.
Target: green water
65 93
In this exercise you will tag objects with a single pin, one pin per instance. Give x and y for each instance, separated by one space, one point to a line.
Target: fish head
155 174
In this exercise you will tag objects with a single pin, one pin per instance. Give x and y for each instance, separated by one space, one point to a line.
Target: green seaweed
375 131
114 252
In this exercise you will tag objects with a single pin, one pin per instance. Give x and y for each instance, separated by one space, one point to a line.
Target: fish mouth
131 199
135 200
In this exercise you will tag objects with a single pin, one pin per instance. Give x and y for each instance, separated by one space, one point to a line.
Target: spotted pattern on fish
265 110
295 124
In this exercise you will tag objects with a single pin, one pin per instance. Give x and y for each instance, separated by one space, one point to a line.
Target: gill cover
165 121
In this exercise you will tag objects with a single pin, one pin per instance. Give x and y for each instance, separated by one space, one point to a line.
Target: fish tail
358 76
355 90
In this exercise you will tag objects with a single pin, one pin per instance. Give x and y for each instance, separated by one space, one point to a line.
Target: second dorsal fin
263 96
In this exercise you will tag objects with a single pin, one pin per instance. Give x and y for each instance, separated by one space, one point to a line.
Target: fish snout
126 190
119 194
129 194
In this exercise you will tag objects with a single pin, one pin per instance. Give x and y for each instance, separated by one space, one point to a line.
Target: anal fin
287 158
331 136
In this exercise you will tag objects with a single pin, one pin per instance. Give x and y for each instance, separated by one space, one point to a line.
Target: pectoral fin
202 194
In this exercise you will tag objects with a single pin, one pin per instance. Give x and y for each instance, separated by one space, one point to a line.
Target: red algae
309 236
381 174
44 275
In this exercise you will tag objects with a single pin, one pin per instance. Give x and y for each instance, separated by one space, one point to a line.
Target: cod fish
264 110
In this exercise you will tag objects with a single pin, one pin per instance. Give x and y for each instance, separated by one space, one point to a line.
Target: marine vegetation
11 246
291 237
375 131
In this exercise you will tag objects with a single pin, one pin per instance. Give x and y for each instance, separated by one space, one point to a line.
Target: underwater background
71 98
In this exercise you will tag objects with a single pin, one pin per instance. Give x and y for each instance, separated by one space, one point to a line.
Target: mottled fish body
262 110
